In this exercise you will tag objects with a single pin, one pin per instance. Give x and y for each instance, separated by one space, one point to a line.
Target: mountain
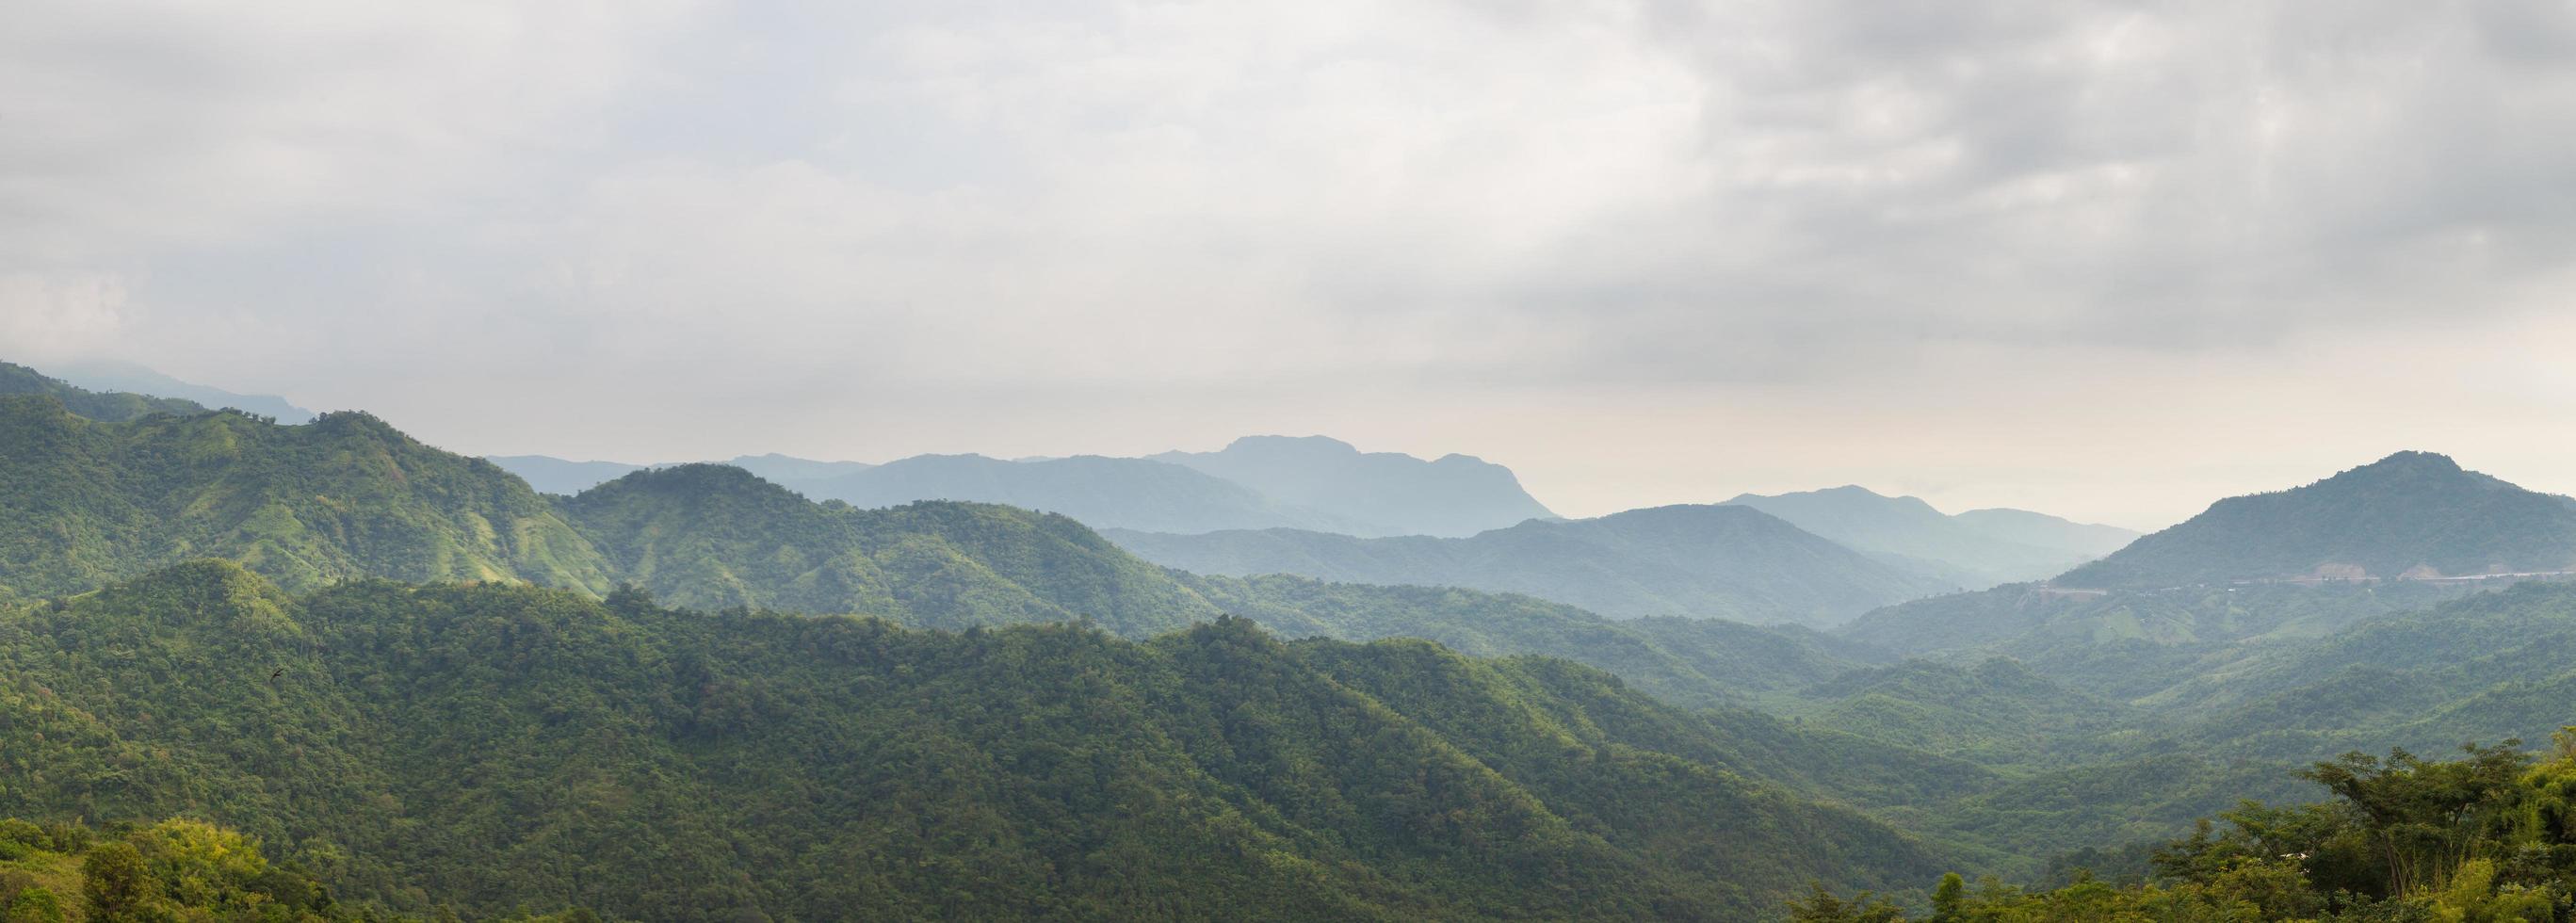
1100 491
549 475
87 503
112 407
1701 663
1977 549
1378 493
2410 515
1728 562
128 377
792 471
714 536
505 746
2040 530
1258 482
84 503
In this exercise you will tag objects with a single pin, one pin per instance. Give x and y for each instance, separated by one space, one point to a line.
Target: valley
436 689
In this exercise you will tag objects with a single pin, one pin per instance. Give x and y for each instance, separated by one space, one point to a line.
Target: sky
2107 260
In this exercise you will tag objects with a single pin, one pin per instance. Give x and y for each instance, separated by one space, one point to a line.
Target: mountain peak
1320 445
2411 460
2409 514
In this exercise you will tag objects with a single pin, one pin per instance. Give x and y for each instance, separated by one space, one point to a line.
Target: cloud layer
1749 245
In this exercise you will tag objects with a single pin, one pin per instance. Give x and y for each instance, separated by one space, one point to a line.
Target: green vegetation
107 406
2410 514
348 497
1026 720
83 503
2487 838
713 536
507 747
1726 562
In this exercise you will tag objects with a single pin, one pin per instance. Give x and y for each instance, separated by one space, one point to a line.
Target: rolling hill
1727 562
503 746
1976 549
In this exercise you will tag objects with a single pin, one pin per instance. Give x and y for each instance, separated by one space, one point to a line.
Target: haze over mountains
1975 549
1257 482
481 692
1694 561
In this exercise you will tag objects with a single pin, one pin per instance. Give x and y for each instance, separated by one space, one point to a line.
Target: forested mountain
1694 662
2482 837
348 497
500 746
1374 493
1725 562
754 759
1258 482
715 536
95 405
1976 550
83 503
2412 514
135 379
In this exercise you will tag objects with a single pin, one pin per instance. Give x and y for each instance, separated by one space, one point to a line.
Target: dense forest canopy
498 747
690 692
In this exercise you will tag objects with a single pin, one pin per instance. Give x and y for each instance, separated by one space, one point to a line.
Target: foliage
498 748
2485 837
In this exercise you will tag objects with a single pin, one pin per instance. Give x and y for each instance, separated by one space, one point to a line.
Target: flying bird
272 677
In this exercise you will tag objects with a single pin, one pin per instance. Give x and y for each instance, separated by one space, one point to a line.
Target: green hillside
349 497
713 536
500 746
83 503
2412 514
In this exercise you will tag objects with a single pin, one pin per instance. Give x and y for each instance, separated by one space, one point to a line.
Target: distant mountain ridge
1257 482
2410 515
1730 562
85 503
1378 493
129 377
110 406
1976 549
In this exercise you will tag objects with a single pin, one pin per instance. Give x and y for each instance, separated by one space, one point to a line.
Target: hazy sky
2110 260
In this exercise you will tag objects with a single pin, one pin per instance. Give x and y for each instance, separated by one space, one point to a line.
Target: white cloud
1171 219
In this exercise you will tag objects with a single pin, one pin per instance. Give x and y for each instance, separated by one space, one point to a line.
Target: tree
1950 899
115 881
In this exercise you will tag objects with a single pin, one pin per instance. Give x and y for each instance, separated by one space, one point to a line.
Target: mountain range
1729 562
1975 550
1254 483
688 691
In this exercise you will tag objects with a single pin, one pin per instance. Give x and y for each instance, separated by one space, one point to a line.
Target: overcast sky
2109 260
